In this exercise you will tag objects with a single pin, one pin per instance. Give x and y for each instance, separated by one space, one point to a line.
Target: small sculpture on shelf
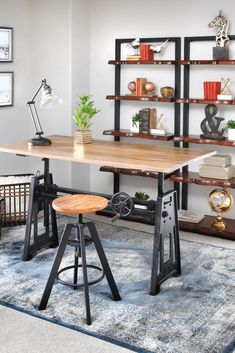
167 92
220 52
157 48
135 45
226 93
211 123
220 201
150 88
158 128
132 87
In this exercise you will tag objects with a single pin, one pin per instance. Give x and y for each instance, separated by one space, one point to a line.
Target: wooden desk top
144 157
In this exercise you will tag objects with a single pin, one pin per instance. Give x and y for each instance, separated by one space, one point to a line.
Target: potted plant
231 130
139 195
82 116
135 123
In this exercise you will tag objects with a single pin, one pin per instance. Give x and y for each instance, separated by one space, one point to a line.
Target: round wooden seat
79 204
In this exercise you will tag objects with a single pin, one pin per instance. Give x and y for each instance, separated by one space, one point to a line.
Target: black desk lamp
48 100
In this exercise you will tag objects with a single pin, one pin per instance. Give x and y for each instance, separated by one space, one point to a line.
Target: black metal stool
79 204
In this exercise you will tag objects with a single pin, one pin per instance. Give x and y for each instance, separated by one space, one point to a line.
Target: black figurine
210 125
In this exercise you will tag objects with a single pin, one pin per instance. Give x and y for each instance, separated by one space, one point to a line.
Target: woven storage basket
81 137
14 191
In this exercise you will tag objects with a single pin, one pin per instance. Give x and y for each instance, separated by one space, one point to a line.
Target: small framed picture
6 89
6 44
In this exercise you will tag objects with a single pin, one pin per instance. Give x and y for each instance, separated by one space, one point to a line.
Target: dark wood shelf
133 172
128 133
200 140
142 62
205 227
130 97
205 101
195 178
207 62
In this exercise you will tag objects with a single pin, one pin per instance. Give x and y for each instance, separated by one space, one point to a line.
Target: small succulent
141 196
231 124
135 119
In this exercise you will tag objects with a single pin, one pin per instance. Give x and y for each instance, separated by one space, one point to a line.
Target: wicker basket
81 137
13 210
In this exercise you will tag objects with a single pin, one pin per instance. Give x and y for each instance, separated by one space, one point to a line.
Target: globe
220 201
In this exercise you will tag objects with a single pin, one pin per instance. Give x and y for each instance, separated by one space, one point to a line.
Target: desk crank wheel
122 204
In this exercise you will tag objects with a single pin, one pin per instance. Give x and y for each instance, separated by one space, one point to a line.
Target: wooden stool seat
79 204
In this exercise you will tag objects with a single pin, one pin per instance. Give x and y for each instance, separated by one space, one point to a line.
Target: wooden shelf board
207 62
193 177
204 227
130 97
128 133
200 140
204 101
142 62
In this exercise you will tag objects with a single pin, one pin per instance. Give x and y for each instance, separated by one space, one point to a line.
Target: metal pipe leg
75 272
85 277
103 260
55 267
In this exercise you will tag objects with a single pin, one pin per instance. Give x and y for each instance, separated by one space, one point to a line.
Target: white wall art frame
6 88
6 44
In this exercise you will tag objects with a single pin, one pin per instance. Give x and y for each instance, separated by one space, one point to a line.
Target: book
152 118
145 52
190 216
144 120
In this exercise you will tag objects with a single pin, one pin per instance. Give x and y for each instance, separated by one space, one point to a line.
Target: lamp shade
49 99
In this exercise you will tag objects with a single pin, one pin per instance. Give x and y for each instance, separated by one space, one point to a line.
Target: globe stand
219 223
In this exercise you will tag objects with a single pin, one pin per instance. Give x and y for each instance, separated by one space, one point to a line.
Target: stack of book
189 216
148 119
133 57
217 166
145 52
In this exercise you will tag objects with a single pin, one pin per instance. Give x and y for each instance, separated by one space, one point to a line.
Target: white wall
14 120
131 19
80 75
51 59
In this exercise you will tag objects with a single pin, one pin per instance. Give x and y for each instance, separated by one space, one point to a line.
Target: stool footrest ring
80 285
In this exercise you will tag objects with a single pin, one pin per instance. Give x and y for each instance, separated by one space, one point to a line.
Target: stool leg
75 272
55 267
85 277
103 260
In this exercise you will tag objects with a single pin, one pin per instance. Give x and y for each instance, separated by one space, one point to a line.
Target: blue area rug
194 313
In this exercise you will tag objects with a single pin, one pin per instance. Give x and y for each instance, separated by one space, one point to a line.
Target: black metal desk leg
166 234
35 242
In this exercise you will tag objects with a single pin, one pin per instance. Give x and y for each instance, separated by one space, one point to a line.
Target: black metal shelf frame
118 43
186 79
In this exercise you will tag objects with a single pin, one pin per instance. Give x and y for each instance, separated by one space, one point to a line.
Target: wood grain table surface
145 157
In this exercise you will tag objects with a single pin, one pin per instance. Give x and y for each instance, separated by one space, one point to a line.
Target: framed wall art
6 44
6 88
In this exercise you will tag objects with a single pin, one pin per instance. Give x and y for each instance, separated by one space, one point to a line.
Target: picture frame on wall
6 44
6 88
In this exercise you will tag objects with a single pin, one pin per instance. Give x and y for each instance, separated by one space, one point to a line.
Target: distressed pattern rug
194 313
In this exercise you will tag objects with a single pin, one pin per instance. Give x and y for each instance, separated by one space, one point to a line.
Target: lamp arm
42 84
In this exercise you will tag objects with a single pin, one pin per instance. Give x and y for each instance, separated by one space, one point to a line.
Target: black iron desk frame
166 226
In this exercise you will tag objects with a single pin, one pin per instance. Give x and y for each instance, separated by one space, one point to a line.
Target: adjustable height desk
148 158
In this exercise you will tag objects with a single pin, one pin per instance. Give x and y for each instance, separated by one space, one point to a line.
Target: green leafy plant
141 196
135 119
84 112
231 124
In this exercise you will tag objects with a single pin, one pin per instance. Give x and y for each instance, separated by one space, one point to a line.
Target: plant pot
231 134
81 137
135 128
